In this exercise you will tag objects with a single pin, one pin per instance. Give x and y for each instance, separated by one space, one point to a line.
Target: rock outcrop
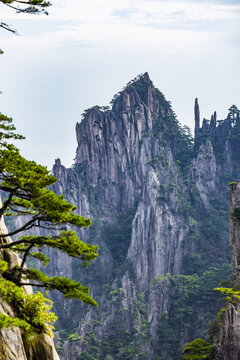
228 344
13 346
196 118
158 206
158 202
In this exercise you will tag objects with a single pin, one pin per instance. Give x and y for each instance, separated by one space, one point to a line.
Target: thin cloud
217 2
125 13
177 14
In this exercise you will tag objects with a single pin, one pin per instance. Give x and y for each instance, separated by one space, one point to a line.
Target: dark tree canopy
233 112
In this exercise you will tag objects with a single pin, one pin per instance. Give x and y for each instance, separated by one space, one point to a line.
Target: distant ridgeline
221 133
158 200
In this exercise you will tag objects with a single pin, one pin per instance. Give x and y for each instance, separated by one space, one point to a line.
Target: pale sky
86 51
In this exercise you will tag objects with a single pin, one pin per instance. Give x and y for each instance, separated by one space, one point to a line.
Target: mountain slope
159 210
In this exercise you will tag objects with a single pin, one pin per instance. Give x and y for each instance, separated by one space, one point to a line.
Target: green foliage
9 322
167 128
73 337
33 311
233 184
233 112
211 233
3 265
118 342
118 235
36 311
85 356
234 140
7 132
198 349
24 185
66 241
219 148
192 264
220 137
70 288
235 215
231 295
189 296
40 256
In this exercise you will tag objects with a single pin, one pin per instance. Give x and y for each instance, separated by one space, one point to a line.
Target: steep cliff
158 201
13 344
228 335
159 207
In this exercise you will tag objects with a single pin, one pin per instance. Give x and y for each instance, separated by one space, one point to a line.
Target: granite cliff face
227 344
158 204
158 200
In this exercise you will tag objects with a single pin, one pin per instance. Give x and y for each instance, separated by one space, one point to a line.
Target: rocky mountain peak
139 91
158 208
197 117
115 144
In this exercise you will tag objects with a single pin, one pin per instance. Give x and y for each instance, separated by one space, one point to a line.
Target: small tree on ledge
24 184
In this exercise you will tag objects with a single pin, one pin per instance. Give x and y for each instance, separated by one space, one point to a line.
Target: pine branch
32 284
26 226
6 26
17 242
7 202
26 254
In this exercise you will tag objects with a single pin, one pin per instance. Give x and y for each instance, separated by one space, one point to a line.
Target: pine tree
24 185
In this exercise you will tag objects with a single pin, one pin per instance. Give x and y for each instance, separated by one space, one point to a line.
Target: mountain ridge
157 204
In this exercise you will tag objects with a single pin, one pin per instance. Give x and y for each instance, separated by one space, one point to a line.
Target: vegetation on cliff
134 185
198 350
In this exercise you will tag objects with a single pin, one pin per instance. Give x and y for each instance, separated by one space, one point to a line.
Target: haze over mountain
84 52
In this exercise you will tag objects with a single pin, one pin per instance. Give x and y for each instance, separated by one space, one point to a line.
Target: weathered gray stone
121 163
12 346
126 159
228 344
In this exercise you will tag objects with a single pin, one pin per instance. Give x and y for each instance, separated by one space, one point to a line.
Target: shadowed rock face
228 345
123 164
234 224
229 338
12 346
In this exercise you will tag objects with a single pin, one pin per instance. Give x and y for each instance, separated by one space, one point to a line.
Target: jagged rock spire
215 116
213 120
197 118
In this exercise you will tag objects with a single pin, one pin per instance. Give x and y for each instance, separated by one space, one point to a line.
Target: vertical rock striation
196 118
228 345
158 206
